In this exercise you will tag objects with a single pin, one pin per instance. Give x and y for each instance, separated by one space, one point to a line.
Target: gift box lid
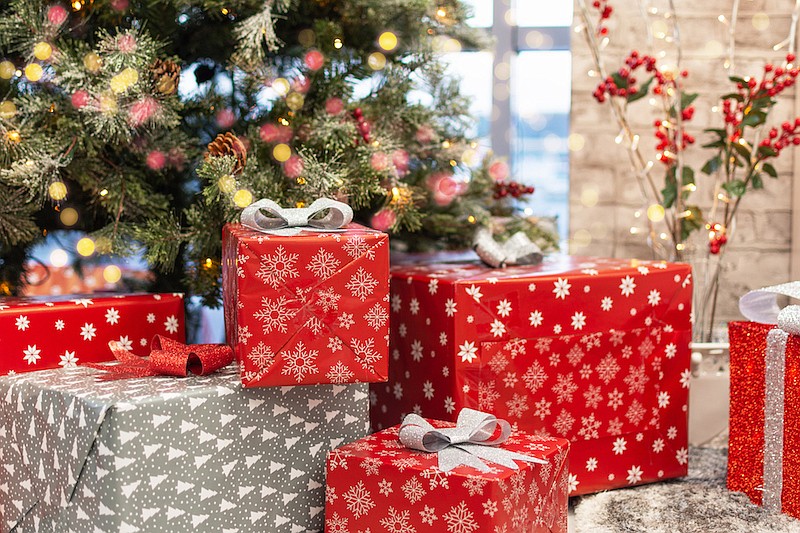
84 300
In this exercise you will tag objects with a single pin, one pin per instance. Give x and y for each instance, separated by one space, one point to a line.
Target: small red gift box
308 308
377 484
592 350
38 333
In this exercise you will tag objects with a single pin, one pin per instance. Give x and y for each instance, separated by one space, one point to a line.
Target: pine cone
166 75
228 144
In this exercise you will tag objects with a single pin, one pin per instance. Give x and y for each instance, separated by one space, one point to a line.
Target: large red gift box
377 484
38 333
748 346
308 308
593 350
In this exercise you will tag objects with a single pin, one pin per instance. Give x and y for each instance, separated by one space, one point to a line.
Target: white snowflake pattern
561 288
575 355
504 308
428 515
475 292
635 412
606 303
658 445
346 320
450 307
274 314
112 316
275 269
335 344
86 302
356 246
591 464
593 396
336 524
416 350
151 317
654 297
686 377
328 299
542 408
636 379
608 368
300 362
564 388
376 317
627 287
536 318
670 350
578 320
398 521
672 432
88 331
682 456
125 343
397 303
371 466
468 352
243 334
365 353
413 490
385 487
663 399
68 360
31 354
262 356
436 477
460 519
615 399
361 284
413 306
359 501
564 422
572 483
427 390
340 373
619 446
22 323
59 325
589 427
443 338
517 405
498 328
449 404
171 324
534 377
433 286
241 260
323 264
634 475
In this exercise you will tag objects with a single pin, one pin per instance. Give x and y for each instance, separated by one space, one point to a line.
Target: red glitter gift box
748 346
377 484
592 350
308 308
38 333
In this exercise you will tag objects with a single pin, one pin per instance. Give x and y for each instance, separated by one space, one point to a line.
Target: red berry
790 57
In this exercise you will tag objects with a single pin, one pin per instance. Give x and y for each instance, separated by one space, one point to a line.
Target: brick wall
604 195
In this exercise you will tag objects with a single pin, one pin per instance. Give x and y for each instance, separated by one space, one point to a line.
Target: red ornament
314 59
156 160
225 118
79 99
142 111
119 5
334 106
383 220
499 170
379 161
126 43
293 167
274 133
57 15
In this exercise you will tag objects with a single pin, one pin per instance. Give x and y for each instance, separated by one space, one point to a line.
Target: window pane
481 13
540 107
543 13
474 69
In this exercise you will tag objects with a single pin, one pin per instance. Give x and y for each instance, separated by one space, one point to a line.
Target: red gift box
377 484
748 345
39 333
308 308
592 350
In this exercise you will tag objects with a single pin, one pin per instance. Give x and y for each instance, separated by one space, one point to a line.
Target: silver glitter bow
466 444
292 220
518 250
762 306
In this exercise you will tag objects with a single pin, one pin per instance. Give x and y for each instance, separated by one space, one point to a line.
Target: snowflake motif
682 456
151 317
515 347
124 343
443 338
578 320
542 408
449 404
397 390
564 388
510 380
468 351
398 521
615 399
356 246
498 328
112 316
346 320
608 368
88 331
359 501
460 519
397 303
315 325
371 466
334 344
561 288
68 360
336 524
59 325
22 323
686 377
636 379
517 405
504 308
627 287
450 307
589 427
670 350
275 269
615 427
377 316
385 487
274 314
428 515
593 396
428 391
575 355
475 292
85 302
405 462
241 260
654 297
563 423
361 284
433 286
142 342
620 445
498 362
300 363
261 355
413 490
328 299
534 377
413 306
635 413
536 318
663 399
339 373
634 475
31 354
672 432
658 445
475 485
591 464
323 264
244 334
572 483
171 324
436 478
586 371
365 353
557 329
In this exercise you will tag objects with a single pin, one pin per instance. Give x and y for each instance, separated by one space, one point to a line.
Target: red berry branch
503 189
605 10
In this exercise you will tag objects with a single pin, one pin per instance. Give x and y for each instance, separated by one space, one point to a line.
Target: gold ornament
7 109
42 51
295 101
92 62
34 72
7 70
124 80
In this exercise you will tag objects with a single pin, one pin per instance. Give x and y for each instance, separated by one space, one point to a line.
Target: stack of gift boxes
587 359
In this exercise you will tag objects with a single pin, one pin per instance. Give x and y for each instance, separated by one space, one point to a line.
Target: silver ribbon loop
291 220
471 440
517 250
762 306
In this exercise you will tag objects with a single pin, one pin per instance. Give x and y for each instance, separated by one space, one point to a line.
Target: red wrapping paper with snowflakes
38 333
592 350
308 308
377 484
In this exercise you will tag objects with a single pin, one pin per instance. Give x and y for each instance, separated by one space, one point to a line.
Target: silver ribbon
292 220
518 250
466 444
762 306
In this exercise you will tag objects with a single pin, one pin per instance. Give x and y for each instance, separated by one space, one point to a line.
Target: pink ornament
400 160
225 118
499 170
156 160
314 59
119 5
425 135
57 15
334 106
383 219
142 111
301 85
126 43
379 161
293 167
274 133
79 99
444 188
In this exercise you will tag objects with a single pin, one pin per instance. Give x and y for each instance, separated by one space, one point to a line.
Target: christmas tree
289 101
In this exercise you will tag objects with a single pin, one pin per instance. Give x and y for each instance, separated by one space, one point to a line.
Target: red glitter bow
167 358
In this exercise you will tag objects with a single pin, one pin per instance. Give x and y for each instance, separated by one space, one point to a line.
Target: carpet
698 503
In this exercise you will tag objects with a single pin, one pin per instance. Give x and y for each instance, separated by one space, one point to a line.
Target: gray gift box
198 454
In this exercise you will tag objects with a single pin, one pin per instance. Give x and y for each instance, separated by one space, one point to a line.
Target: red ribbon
167 358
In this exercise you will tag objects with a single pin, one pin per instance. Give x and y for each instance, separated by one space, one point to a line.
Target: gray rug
698 503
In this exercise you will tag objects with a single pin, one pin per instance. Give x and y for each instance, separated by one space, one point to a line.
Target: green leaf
766 151
734 188
737 79
687 175
619 81
692 222
759 103
742 150
718 131
670 191
733 96
642 92
687 99
715 144
754 118
757 182
769 169
712 165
